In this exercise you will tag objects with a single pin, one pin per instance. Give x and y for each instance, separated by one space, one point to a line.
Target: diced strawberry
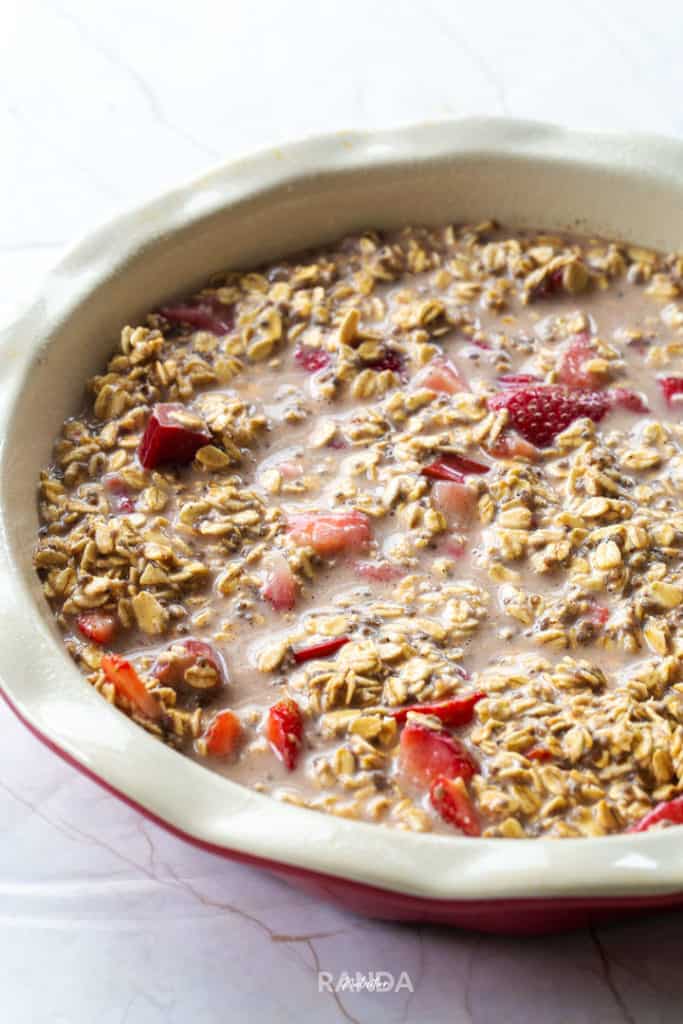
128 684
455 500
482 343
453 467
118 494
670 811
192 665
209 314
330 533
672 389
168 440
542 412
380 572
456 711
285 731
539 754
281 587
441 375
321 650
518 380
426 754
571 367
224 735
632 401
311 359
450 800
598 614
455 548
97 626
510 445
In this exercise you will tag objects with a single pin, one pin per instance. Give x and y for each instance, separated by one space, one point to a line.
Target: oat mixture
394 531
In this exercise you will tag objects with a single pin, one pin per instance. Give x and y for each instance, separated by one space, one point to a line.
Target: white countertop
103 916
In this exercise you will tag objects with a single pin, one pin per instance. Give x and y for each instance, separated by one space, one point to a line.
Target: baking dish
238 215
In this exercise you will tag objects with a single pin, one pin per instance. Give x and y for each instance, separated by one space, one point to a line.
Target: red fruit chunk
598 614
167 439
285 731
321 650
456 711
381 572
97 626
570 370
456 500
455 548
281 587
670 811
450 800
171 667
672 389
120 499
632 401
224 735
441 375
426 754
453 467
330 533
389 360
517 380
311 359
512 446
128 684
539 754
205 314
542 412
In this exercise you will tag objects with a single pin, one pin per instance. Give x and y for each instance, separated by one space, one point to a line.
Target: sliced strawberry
193 666
672 389
453 467
311 359
205 314
456 711
455 500
168 440
539 754
281 587
425 754
321 650
670 811
441 375
128 684
224 735
118 494
450 800
571 367
97 626
285 731
518 380
511 446
542 412
380 572
330 533
632 401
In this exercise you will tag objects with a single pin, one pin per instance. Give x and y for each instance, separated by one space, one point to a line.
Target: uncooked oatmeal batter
393 530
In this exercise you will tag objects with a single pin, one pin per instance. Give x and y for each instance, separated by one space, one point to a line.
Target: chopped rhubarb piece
425 754
119 496
441 375
511 446
450 800
206 315
672 389
224 735
173 435
128 684
456 500
632 401
671 812
193 666
453 467
543 411
311 359
456 711
571 367
539 754
381 572
321 650
330 533
285 731
281 587
518 380
97 626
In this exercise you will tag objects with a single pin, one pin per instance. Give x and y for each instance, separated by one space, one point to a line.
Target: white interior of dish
237 216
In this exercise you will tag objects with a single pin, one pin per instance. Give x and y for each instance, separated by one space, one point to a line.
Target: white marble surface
104 917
